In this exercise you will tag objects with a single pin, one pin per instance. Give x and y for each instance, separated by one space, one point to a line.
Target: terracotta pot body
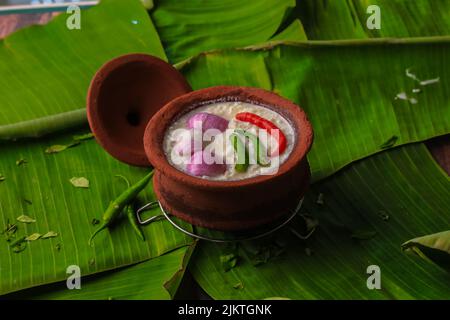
230 205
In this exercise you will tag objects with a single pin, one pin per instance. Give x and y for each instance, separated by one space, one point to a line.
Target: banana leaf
162 277
38 88
351 103
46 70
15 127
433 247
40 188
366 212
319 20
50 193
189 27
346 19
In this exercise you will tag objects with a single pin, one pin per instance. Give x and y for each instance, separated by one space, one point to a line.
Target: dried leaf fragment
33 237
228 261
79 182
21 162
19 245
383 215
59 147
50 234
411 75
25 219
238 286
429 81
82 137
10 231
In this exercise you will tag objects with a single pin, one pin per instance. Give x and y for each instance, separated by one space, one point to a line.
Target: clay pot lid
123 95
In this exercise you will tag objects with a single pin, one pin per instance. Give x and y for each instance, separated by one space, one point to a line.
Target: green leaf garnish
79 182
25 219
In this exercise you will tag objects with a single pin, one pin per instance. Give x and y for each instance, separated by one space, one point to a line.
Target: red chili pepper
266 125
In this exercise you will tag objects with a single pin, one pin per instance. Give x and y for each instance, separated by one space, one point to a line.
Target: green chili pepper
131 214
243 159
116 206
260 150
132 219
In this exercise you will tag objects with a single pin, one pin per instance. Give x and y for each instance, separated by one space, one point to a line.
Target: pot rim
157 126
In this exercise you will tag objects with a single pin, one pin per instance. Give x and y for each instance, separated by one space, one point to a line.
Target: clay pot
229 205
124 94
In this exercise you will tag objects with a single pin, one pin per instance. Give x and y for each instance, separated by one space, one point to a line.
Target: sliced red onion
208 121
186 144
199 166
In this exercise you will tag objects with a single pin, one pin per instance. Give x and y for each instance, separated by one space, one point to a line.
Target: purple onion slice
208 121
199 166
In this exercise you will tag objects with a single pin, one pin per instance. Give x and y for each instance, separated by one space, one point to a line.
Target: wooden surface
439 147
13 22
